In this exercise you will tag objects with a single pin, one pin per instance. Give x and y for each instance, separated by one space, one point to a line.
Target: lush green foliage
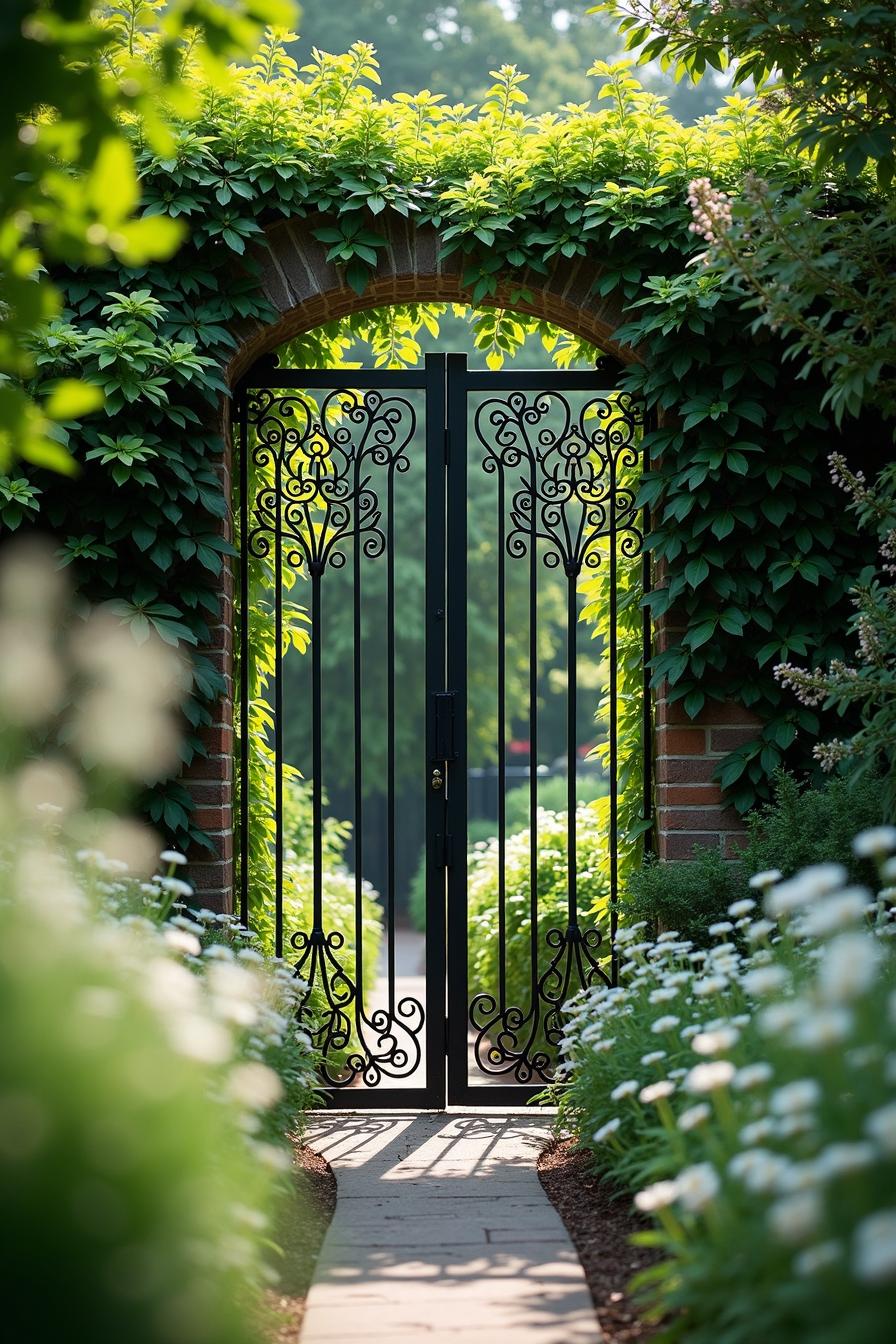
687 895
551 798
869 682
797 827
592 877
831 65
509 192
68 178
754 1097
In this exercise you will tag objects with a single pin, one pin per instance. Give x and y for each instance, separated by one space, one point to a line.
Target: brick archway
305 291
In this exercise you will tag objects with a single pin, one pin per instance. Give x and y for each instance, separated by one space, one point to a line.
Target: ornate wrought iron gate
339 474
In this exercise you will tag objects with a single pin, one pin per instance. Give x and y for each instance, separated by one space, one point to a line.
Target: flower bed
747 1092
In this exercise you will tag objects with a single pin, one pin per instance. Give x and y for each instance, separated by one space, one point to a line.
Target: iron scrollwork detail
316 469
513 1040
321 460
570 494
387 1045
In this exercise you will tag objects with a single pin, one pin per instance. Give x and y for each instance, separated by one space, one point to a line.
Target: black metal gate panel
434 525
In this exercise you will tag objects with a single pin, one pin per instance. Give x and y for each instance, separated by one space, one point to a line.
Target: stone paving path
442 1232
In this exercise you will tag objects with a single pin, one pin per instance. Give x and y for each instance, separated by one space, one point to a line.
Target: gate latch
444 749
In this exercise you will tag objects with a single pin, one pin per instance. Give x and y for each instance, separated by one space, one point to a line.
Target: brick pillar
210 778
690 808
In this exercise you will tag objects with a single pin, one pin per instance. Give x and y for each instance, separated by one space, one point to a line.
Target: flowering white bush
151 1060
747 1094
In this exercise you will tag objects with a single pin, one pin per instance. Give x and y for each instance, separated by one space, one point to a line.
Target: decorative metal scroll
353 1043
569 495
565 475
315 468
319 491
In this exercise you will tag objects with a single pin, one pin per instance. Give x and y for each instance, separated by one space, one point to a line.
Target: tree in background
452 47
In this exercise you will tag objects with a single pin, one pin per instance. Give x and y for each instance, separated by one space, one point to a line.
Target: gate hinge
444 850
443 749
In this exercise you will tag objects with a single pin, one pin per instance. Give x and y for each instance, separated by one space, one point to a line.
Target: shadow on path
443 1232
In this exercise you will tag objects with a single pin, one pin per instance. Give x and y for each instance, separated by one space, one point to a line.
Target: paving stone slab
442 1232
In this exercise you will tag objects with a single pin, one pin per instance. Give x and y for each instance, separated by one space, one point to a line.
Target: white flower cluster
777 1077
222 1001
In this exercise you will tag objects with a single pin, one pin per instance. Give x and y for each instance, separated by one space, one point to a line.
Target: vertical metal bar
458 992
571 701
502 754
317 820
358 752
278 713
646 708
533 762
613 838
243 450
435 627
390 733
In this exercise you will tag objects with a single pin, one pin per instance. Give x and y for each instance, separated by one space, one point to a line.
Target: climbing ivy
754 553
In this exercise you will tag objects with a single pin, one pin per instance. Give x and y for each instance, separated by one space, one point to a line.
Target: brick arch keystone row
306 291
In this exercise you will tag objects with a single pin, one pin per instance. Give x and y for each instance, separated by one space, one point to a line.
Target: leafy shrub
687 895
753 1097
812 824
551 797
803 824
551 876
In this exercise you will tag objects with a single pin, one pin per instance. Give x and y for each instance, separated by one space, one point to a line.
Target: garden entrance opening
417 550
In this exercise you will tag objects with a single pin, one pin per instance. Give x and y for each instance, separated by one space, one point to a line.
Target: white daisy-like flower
845 1159
626 1089
875 842
762 881
694 1116
656 1091
254 1085
757 1169
757 1131
874 1248
880 1125
738 909
664 1024
811 883
765 980
715 1042
175 886
180 941
653 1057
801 1095
698 1186
658 1196
840 910
752 1075
797 1217
602 1134
849 967
822 1028
710 1077
173 856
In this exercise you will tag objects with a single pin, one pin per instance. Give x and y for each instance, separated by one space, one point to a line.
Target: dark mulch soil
300 1232
600 1220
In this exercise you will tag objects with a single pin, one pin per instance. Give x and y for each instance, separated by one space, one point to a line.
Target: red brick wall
306 291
